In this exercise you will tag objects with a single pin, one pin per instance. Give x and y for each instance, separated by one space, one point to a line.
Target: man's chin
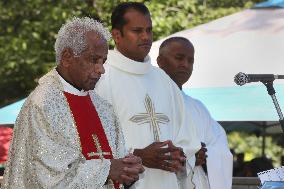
182 78
90 87
144 52
184 75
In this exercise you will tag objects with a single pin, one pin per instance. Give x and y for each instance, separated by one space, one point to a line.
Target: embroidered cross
151 117
99 152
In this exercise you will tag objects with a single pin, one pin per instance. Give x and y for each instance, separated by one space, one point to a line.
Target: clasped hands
126 170
162 155
158 155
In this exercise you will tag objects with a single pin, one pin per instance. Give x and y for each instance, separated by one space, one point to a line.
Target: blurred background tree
251 145
28 31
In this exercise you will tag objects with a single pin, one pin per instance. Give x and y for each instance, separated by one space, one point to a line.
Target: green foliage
173 16
251 145
28 31
229 3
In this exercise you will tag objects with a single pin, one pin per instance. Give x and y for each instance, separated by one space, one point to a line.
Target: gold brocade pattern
45 151
100 152
151 117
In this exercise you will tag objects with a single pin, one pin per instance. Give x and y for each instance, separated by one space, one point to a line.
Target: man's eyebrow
136 27
180 54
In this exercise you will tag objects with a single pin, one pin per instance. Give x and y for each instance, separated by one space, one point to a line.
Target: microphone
242 78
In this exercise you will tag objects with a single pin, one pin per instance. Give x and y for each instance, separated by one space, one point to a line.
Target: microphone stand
271 92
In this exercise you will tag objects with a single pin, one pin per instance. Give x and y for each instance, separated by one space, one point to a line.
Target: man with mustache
148 103
176 58
63 137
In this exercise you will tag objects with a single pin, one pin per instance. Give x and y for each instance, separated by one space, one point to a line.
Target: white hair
72 35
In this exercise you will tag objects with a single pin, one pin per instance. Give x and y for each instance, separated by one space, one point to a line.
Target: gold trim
99 152
151 117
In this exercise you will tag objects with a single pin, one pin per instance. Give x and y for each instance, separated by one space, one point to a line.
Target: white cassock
220 159
150 108
45 151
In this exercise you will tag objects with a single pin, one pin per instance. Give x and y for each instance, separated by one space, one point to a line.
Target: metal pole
271 92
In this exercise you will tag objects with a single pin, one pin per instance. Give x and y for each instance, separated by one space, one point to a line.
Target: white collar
123 63
70 89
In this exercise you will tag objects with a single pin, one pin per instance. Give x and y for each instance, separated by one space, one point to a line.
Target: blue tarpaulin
270 4
8 114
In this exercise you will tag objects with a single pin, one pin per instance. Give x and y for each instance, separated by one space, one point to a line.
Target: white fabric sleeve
220 159
220 162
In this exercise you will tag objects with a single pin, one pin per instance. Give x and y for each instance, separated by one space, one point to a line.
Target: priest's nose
146 35
99 69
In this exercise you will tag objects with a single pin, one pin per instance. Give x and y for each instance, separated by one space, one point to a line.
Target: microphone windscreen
241 78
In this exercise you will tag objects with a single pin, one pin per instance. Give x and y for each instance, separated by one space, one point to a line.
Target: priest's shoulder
190 98
198 104
161 73
201 105
45 94
98 100
194 101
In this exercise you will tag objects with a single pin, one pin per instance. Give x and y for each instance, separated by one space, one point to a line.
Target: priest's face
135 39
177 59
86 68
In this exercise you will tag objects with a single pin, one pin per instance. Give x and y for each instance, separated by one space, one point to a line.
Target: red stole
94 143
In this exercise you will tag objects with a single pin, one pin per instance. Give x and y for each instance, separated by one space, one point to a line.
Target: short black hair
117 16
173 39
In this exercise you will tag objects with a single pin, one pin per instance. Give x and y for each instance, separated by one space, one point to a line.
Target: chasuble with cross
63 138
150 108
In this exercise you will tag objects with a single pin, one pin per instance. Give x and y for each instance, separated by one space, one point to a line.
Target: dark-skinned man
176 58
148 104
63 137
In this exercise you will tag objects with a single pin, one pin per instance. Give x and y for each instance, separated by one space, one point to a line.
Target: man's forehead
128 16
96 44
178 46
93 35
93 38
181 43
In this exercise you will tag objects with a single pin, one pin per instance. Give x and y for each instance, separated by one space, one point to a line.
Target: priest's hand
136 163
178 157
162 155
201 155
126 170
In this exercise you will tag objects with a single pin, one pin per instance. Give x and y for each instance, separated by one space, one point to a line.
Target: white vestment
150 107
219 160
46 151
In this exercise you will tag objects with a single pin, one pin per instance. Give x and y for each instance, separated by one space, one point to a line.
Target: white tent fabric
250 41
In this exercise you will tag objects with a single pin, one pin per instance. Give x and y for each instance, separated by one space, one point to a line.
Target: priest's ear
160 60
116 35
67 57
